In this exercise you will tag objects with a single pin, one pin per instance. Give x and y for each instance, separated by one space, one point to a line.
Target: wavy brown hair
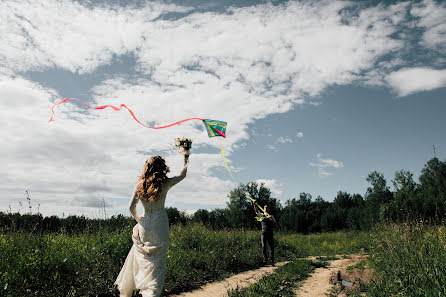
153 177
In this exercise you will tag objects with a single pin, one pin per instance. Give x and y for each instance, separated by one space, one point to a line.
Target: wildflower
65 260
6 286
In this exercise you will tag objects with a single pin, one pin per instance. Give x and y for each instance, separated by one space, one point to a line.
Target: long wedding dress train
145 265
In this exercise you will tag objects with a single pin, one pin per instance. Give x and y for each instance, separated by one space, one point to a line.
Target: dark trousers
268 238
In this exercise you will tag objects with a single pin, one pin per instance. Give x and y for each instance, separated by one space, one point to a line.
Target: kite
213 127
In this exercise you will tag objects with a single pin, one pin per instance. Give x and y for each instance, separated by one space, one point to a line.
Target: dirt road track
241 280
319 282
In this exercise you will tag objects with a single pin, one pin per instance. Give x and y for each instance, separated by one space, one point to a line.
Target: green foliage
432 189
326 244
240 212
281 283
77 256
302 214
377 198
306 216
60 264
75 224
409 200
197 255
360 265
409 260
175 216
63 264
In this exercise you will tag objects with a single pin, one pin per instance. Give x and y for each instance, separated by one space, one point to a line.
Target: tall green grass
62 264
326 244
197 255
409 260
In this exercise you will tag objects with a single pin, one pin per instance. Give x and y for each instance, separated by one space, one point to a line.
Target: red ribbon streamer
118 109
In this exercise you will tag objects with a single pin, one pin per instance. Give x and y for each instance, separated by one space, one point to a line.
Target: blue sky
317 94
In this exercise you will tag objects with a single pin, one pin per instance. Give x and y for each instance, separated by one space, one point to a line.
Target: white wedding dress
145 265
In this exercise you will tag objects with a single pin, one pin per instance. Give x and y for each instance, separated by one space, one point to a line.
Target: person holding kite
145 265
268 223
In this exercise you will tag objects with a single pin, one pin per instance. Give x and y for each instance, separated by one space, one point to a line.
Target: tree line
409 200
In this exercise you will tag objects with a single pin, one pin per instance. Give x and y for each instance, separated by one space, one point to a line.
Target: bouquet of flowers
185 143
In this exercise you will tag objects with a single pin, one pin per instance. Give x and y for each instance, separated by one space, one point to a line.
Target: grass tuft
281 283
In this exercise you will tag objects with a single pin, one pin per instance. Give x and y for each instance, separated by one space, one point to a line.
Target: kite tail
246 193
118 109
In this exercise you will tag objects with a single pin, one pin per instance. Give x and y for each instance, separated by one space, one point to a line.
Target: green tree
377 199
355 213
406 205
433 189
296 213
175 216
343 213
240 213
201 216
315 213
218 219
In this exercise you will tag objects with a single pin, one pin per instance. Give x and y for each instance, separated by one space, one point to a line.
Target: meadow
407 259
86 264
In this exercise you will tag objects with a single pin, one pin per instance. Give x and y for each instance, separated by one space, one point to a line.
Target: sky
316 94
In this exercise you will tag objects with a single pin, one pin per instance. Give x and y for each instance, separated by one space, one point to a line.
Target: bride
145 265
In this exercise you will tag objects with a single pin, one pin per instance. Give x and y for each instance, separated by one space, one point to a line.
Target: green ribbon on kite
213 127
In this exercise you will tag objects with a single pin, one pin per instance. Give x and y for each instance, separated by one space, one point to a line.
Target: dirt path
240 280
318 284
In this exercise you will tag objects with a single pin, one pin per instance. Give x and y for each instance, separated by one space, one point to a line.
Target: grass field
408 260
59 264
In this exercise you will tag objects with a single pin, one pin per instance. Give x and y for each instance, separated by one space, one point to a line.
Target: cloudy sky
317 94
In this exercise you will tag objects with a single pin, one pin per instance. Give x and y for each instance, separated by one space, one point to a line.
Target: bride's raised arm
176 179
133 203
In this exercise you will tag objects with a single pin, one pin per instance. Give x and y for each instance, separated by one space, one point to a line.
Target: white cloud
238 66
321 173
272 147
324 162
300 134
275 59
283 139
68 35
71 164
410 80
432 18
275 187
280 140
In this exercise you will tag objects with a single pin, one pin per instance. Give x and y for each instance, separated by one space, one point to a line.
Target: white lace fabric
145 265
